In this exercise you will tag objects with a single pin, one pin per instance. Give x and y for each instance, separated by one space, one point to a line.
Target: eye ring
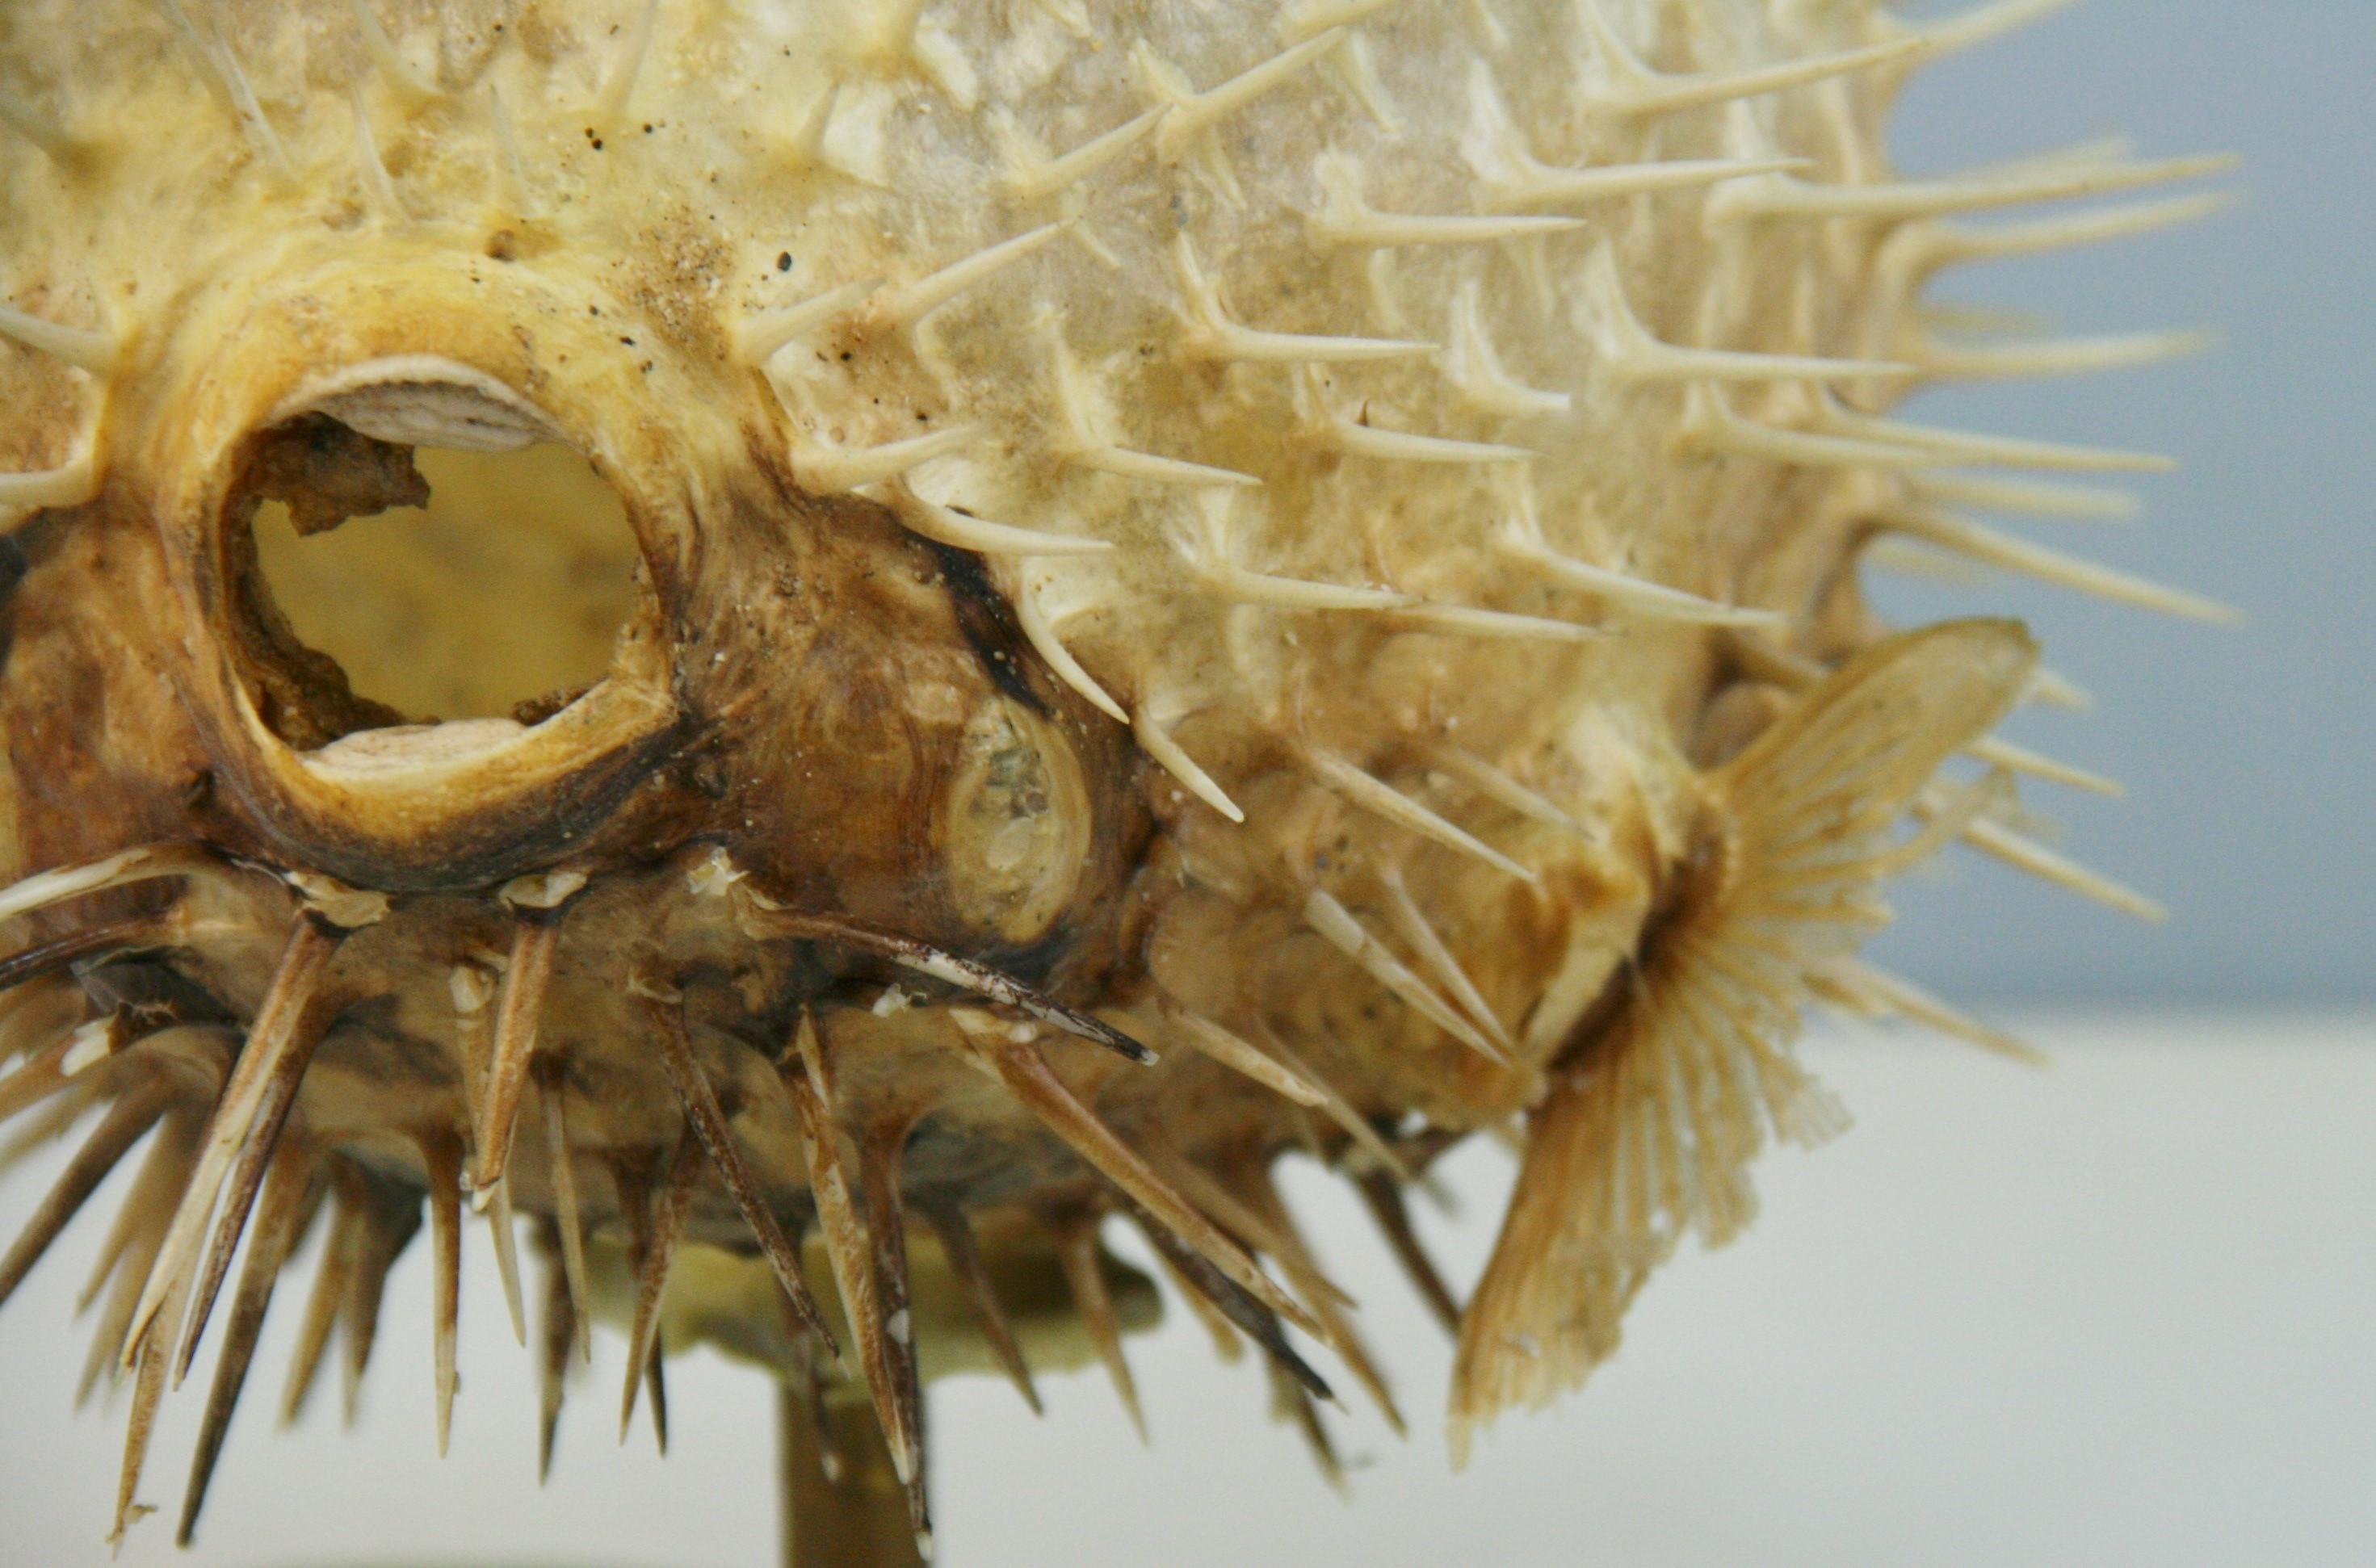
1013 828
427 355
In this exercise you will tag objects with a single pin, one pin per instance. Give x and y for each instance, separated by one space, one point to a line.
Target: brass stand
843 1506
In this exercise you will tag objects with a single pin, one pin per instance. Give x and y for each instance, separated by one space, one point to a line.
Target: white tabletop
2122 1312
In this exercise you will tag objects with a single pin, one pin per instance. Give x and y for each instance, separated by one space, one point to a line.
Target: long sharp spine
151 1353
1212 335
1714 427
1411 923
849 1253
123 869
1346 219
1296 1259
881 1152
1029 1078
831 472
39 1078
1543 186
1077 1251
126 1123
1040 633
2024 853
2056 356
1384 1197
379 188
1986 23
1963 446
1633 89
1173 759
1922 249
340 1253
536 938
1631 353
1083 441
709 1120
1779 196
1337 925
1910 1001
1476 369
1638 596
1341 1110
132 1249
1499 787
1031 177
1987 545
1240 1056
2031 498
655 1229
1190 117
1236 1310
1356 439
1997 751
1376 796
908 303
561 1172
556 1332
441 1156
279 1222
962 530
280 1042
761 337
963 1249
391 1219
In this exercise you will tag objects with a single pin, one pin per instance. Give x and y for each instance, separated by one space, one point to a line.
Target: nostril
392 583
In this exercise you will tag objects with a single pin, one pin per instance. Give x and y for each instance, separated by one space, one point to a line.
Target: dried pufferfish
1320 539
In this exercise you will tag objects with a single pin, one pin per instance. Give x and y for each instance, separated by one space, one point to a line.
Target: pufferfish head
812 648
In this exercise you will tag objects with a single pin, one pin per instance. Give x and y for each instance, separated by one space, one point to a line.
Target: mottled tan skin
855 719
832 786
819 788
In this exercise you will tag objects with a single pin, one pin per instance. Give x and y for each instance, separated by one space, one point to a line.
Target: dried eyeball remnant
805 649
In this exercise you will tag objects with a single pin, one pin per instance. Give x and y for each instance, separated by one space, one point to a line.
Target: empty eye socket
1014 826
437 583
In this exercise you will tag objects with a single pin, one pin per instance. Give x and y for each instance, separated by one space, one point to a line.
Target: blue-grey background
2249 753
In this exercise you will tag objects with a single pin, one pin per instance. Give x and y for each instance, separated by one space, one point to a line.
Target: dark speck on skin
784 262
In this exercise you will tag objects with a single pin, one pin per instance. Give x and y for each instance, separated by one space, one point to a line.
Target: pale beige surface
2114 1314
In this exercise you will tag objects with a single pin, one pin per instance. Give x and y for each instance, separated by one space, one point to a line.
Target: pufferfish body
811 647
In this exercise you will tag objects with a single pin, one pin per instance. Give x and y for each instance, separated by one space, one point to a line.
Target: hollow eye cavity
498 593
432 650
438 544
1013 823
